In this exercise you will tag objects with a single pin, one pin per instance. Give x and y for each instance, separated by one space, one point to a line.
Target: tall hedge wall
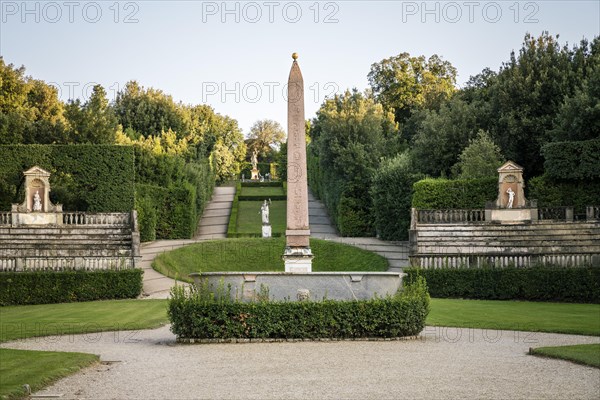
552 193
461 193
575 160
392 193
581 285
47 287
97 178
166 213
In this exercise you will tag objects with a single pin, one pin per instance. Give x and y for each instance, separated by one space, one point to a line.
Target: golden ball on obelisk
295 56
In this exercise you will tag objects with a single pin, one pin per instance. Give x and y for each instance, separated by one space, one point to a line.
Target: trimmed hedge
580 285
552 193
166 213
392 193
262 184
46 287
198 314
460 193
573 160
98 178
262 198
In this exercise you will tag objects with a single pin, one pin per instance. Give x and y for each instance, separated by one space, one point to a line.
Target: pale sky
236 56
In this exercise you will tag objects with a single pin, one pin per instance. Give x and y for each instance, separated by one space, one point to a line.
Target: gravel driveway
443 363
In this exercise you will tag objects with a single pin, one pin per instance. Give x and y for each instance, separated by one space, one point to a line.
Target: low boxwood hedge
46 287
581 285
196 314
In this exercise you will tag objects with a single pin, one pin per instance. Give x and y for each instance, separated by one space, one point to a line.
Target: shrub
572 160
201 314
460 193
553 193
98 178
46 287
580 285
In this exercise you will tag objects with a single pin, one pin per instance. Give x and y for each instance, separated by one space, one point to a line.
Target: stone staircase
66 247
563 243
321 228
215 219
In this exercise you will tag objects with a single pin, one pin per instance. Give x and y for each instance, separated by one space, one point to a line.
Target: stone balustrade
96 219
593 213
501 261
555 214
18 264
5 218
449 216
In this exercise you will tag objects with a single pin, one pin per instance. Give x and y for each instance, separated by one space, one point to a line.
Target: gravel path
443 363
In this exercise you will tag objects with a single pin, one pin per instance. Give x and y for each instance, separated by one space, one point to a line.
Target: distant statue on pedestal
511 198
264 210
254 159
37 201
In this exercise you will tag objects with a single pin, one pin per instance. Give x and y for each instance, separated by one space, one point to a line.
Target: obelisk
297 254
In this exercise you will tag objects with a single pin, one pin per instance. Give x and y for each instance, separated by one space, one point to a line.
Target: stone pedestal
298 260
513 215
255 173
266 231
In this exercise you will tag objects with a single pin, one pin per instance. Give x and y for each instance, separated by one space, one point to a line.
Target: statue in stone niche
511 198
37 201
264 211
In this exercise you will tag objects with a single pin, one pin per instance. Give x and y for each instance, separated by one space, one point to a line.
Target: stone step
219 190
223 205
219 212
422 250
224 198
214 221
317 213
209 236
398 263
318 220
322 229
212 229
512 243
325 236
522 228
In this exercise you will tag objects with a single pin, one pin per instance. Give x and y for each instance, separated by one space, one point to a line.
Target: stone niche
37 209
511 184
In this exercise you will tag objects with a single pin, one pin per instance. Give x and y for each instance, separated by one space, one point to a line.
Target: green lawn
581 319
586 354
262 191
37 369
257 254
40 368
67 318
249 218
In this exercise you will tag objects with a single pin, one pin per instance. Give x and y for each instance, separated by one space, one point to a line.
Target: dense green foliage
524 316
45 287
586 354
37 368
200 314
349 136
576 160
552 193
392 196
97 178
258 254
538 283
461 193
480 159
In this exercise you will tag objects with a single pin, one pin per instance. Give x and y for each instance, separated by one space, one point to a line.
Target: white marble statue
37 201
511 198
254 159
264 210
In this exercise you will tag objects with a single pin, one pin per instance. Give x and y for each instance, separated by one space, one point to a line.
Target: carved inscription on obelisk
297 233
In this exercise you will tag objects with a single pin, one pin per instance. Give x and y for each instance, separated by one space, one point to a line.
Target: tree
480 159
351 134
442 135
264 136
404 83
92 122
